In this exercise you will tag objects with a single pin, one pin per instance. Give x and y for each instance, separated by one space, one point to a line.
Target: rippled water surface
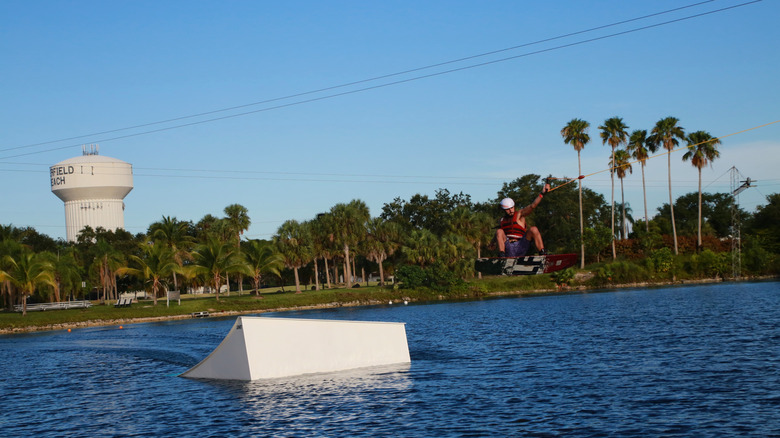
684 361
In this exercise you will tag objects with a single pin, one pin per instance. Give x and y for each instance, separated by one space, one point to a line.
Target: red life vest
511 228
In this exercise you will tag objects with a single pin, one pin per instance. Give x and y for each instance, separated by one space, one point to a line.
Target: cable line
378 78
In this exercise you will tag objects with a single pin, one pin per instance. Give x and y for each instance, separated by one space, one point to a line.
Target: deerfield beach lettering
58 174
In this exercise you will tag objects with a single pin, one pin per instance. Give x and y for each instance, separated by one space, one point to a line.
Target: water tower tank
93 188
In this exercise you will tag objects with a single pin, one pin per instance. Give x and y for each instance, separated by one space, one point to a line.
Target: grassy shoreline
277 301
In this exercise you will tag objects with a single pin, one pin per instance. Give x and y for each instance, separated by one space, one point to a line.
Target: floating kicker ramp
262 348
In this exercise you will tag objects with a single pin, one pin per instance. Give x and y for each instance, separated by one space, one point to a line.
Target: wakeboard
526 265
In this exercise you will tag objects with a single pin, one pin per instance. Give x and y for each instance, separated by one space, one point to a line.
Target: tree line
340 247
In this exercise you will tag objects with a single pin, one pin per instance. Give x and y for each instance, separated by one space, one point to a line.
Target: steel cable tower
736 224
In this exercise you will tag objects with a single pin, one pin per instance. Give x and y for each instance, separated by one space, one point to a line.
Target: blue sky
74 69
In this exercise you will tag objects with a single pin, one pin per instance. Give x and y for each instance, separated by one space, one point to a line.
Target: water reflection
322 401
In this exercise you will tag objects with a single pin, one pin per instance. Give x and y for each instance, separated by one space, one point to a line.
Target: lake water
680 361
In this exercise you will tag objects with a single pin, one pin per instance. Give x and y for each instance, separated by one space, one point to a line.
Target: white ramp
261 348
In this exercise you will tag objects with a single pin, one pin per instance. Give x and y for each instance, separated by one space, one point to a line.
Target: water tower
93 188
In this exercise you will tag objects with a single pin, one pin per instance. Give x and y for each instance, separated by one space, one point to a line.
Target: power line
374 87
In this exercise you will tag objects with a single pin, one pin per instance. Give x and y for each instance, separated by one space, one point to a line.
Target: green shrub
755 258
662 260
562 277
410 276
620 272
437 277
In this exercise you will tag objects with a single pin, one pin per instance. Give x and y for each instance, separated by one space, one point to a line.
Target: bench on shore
202 314
123 302
83 304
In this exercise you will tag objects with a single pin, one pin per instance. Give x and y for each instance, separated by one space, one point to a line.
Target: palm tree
262 259
640 149
349 228
156 264
457 253
668 134
472 226
213 259
66 271
173 233
322 242
575 133
10 249
107 261
613 131
702 150
237 222
294 246
421 247
382 240
27 271
621 165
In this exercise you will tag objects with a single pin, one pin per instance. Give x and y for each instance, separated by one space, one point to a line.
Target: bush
755 258
620 272
563 277
436 277
711 264
662 260
410 276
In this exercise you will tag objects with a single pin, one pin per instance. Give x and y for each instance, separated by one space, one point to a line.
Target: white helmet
507 203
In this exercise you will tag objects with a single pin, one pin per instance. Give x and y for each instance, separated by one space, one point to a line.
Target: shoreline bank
570 290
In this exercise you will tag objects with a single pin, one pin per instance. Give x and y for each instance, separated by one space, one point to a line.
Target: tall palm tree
322 242
237 218
702 150
668 134
107 261
262 259
575 133
613 131
294 246
382 240
349 228
237 222
27 271
156 263
640 149
213 259
621 165
173 233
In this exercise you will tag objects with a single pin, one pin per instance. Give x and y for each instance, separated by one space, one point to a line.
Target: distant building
93 188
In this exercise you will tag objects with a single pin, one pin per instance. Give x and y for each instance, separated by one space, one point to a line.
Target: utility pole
737 187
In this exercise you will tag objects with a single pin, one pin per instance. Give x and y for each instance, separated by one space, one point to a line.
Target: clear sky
111 72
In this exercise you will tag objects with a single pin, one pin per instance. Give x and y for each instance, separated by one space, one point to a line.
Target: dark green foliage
420 212
766 224
715 211
756 259
436 277
410 276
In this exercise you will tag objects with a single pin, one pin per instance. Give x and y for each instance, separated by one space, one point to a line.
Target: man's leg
534 235
501 239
